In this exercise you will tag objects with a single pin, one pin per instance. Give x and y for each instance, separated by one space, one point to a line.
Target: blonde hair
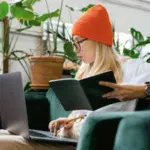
106 59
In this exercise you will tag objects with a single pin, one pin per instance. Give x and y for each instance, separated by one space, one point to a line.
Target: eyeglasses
78 46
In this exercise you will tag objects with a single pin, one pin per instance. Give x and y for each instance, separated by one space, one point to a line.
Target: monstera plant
138 41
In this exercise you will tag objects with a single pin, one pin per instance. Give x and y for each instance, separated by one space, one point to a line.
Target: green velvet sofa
134 132
107 131
116 131
43 107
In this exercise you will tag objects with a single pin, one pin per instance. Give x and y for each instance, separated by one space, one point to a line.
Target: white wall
30 44
124 17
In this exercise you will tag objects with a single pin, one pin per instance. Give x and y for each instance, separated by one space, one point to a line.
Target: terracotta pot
45 68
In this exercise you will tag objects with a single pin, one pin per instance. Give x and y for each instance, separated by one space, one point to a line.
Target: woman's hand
55 125
124 92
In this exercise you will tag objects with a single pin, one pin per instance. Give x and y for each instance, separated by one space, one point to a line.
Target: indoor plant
49 67
23 11
138 41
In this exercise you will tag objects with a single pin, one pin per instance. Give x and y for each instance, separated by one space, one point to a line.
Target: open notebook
85 93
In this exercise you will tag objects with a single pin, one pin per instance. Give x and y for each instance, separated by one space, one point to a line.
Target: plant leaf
73 72
148 60
21 13
29 23
131 53
29 3
68 49
142 43
84 9
4 8
135 55
34 23
71 8
44 17
136 35
27 87
126 52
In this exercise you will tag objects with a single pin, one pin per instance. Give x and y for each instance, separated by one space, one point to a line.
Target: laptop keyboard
37 134
48 136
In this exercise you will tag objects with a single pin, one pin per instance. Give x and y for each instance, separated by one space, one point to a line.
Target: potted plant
22 10
50 67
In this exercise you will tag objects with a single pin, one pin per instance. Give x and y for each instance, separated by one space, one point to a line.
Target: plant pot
45 68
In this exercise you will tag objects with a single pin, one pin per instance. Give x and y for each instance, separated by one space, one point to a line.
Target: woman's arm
125 92
136 88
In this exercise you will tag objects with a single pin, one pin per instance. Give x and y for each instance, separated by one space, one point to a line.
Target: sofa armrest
99 130
134 132
56 109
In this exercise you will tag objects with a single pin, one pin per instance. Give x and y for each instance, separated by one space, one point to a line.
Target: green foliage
138 42
73 73
67 39
131 53
84 9
29 3
23 11
148 60
4 9
44 17
27 87
68 49
136 35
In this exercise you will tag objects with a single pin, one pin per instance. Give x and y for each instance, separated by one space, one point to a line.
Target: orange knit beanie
94 24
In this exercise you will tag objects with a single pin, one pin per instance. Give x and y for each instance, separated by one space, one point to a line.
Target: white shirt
135 71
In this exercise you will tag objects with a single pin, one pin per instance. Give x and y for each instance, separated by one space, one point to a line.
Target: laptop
14 114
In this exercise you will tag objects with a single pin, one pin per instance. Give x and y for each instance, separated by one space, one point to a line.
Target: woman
93 39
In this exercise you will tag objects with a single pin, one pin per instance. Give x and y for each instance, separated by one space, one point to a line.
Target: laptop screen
12 104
